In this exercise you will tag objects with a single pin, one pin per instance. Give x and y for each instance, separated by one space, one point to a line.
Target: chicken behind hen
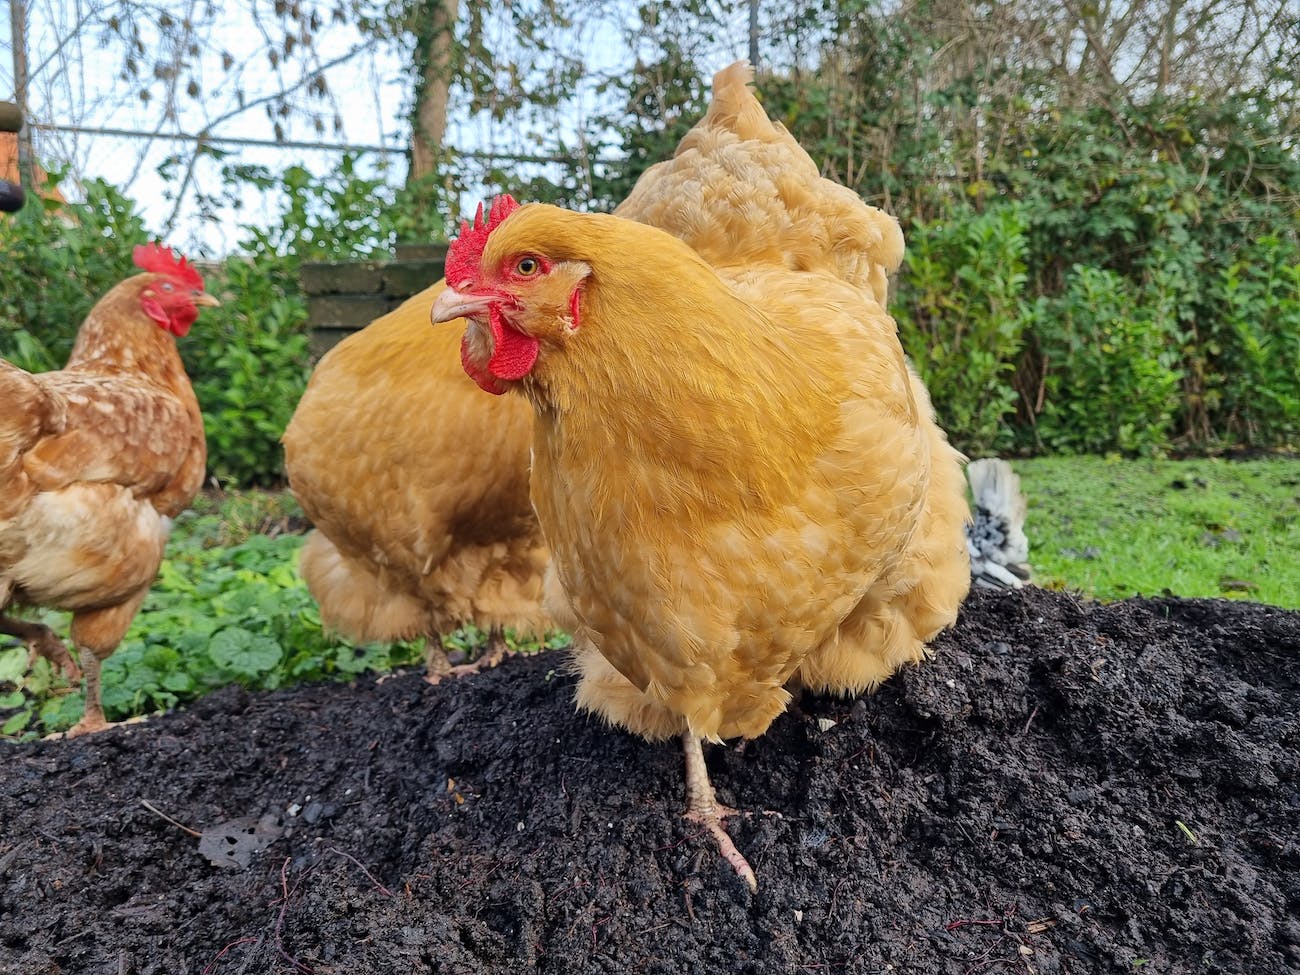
419 496
743 193
389 456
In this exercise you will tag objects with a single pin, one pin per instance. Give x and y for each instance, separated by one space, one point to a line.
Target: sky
77 79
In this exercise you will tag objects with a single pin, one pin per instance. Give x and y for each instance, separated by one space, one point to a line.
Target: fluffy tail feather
353 600
742 192
999 550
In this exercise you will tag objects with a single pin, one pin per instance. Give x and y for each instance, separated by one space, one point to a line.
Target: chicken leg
437 667
41 642
96 634
702 807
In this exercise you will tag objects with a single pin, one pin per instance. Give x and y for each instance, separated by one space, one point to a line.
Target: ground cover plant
228 608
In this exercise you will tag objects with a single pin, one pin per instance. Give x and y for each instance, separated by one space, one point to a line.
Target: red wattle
177 321
486 381
181 320
513 352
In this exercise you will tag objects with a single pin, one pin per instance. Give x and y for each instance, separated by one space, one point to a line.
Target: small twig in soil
162 815
348 856
984 966
73 937
991 922
657 927
9 858
486 877
577 885
234 944
279 921
835 894
286 895
672 846
1032 714
595 926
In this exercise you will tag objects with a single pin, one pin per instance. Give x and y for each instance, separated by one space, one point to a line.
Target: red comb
160 260
466 251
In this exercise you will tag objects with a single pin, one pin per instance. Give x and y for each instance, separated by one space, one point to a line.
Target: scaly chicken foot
493 653
436 664
437 667
42 642
93 720
702 807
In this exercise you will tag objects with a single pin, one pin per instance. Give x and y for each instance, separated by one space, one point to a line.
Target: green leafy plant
249 365
962 313
228 607
1251 352
215 616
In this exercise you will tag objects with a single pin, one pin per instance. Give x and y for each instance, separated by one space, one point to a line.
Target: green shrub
1110 381
56 261
961 315
1251 349
1121 278
250 367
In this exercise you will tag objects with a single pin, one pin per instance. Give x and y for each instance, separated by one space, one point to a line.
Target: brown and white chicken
96 459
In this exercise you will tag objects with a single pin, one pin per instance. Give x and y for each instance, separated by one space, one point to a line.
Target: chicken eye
528 266
167 287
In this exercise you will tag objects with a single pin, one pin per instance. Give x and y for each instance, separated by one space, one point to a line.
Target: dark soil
1064 788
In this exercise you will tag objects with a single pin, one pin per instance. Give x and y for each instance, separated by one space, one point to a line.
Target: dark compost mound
1066 787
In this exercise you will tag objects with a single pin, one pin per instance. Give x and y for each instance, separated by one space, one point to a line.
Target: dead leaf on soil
233 843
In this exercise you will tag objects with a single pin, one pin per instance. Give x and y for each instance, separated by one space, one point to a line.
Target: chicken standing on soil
418 494
738 475
95 461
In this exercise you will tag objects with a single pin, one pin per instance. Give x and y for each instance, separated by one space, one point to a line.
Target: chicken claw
702 807
42 642
93 720
93 726
437 667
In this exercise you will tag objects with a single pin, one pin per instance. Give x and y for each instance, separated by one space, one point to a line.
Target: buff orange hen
739 478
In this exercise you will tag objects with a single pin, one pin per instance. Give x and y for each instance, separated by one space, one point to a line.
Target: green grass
230 607
1117 528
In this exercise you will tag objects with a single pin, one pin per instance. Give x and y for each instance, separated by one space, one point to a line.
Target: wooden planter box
345 298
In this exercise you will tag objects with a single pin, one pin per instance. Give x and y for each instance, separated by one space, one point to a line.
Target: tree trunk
435 37
18 32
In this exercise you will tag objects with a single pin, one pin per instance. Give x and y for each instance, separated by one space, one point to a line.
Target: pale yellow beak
451 304
205 300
